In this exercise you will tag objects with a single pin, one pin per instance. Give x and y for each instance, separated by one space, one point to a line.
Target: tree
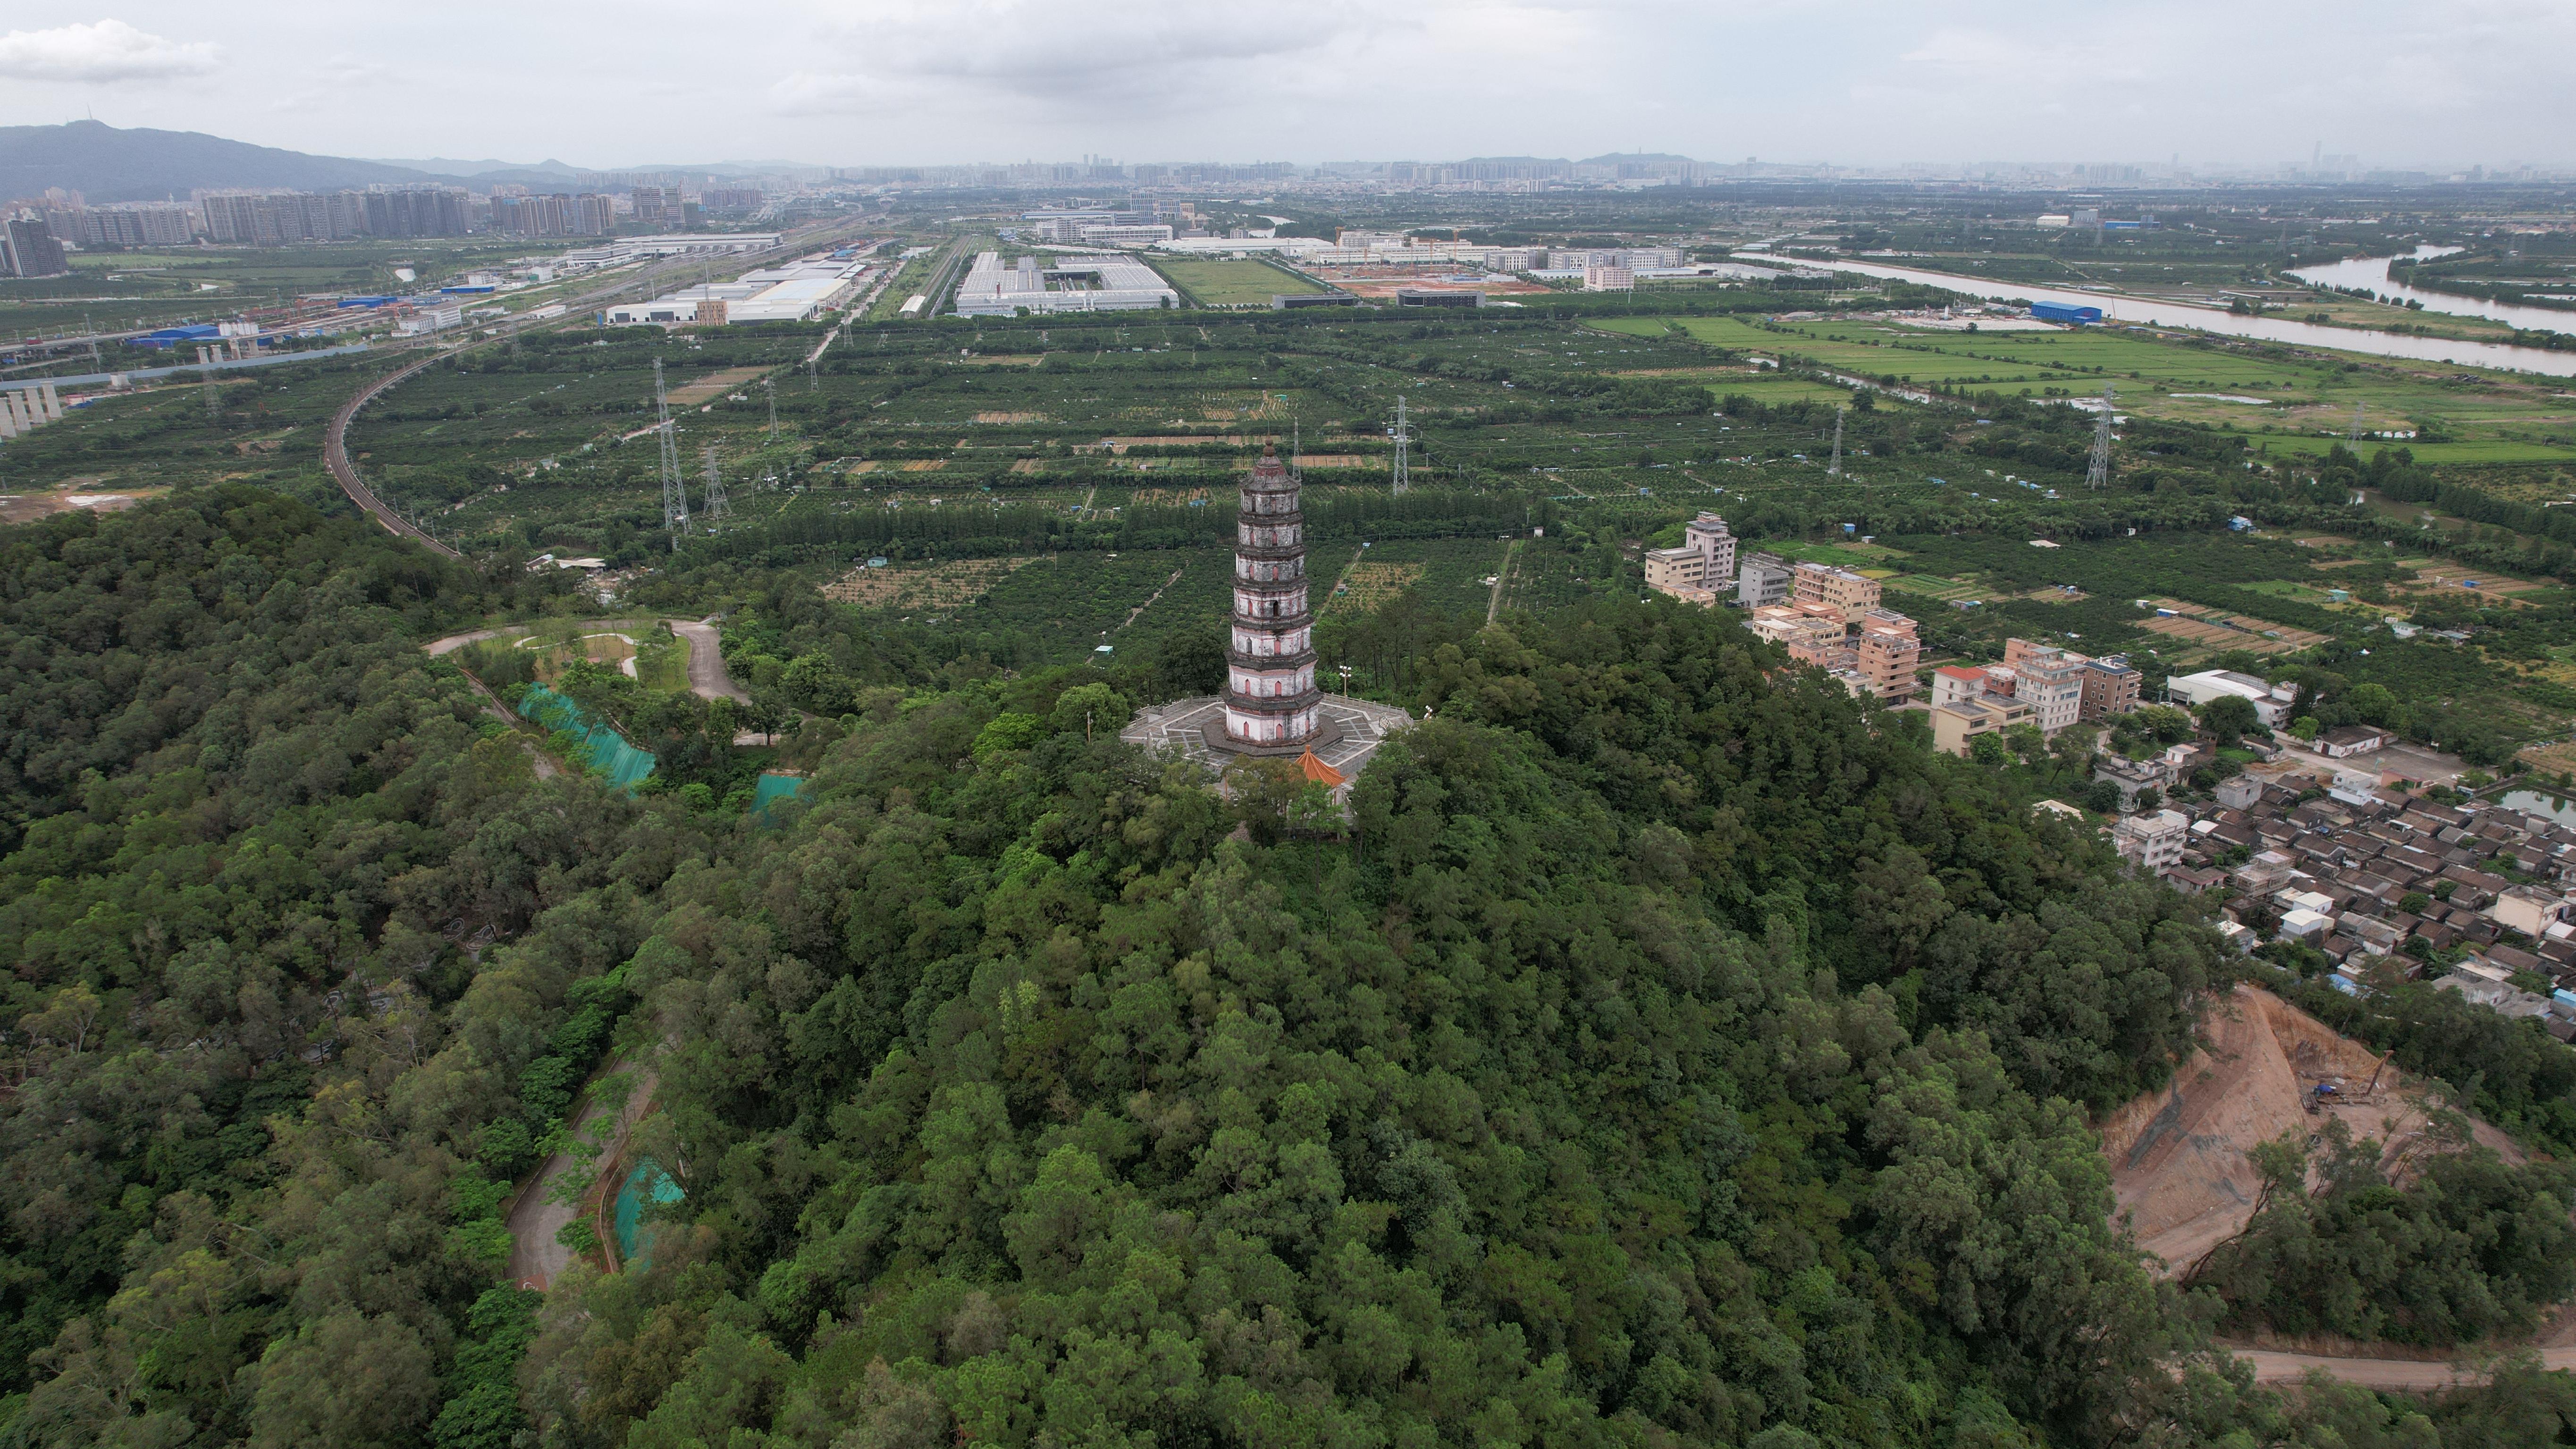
1091 711
2373 704
2230 717
2103 797
1188 663
1264 790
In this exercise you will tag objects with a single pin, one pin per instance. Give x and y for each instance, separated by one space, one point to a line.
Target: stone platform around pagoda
1350 731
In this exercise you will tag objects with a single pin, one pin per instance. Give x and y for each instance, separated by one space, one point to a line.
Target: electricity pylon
1834 469
1403 446
675 489
716 505
2097 469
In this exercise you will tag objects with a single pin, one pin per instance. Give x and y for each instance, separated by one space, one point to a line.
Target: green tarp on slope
648 1183
610 755
771 789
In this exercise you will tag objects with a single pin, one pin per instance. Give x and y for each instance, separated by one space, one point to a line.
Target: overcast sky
877 81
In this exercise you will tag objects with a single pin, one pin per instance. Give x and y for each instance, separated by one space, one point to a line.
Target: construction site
2182 1171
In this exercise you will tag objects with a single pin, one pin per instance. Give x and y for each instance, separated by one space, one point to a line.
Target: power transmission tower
675 489
2097 469
770 386
1834 469
1403 446
2354 435
716 505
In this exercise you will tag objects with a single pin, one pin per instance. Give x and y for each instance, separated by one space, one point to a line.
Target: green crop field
1224 282
2298 402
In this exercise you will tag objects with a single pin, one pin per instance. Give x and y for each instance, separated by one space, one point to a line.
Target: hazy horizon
2446 84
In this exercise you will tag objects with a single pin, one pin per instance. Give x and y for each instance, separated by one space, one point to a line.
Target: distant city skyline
2438 85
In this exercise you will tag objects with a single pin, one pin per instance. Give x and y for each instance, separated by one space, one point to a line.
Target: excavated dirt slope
2180 1168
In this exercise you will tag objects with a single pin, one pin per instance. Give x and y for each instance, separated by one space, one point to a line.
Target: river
2263 329
2371 275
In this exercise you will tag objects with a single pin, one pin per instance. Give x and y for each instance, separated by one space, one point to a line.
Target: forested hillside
1672 1050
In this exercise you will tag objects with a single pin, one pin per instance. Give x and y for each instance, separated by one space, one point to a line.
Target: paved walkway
537 1256
2410 1375
708 677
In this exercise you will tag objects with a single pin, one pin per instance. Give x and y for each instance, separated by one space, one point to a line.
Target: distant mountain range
104 164
445 166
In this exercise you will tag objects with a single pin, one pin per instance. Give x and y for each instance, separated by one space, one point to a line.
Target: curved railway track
335 454
335 442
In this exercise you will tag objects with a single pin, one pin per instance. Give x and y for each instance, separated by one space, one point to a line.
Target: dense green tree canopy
1668 1049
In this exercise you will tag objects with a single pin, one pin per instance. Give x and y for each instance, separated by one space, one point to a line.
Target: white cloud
857 82
106 50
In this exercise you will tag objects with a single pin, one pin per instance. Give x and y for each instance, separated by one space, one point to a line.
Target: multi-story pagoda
1271 705
1270 696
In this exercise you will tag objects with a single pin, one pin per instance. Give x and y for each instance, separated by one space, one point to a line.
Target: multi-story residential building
1703 565
654 206
236 217
547 215
2153 840
1955 726
2110 687
1813 634
1762 581
30 249
1848 593
594 215
1953 683
1886 653
2049 679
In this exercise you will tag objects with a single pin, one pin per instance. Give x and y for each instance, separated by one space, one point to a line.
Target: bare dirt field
2199 626
2180 1169
77 494
714 385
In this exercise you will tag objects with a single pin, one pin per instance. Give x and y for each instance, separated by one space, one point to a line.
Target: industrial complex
790 292
1069 282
